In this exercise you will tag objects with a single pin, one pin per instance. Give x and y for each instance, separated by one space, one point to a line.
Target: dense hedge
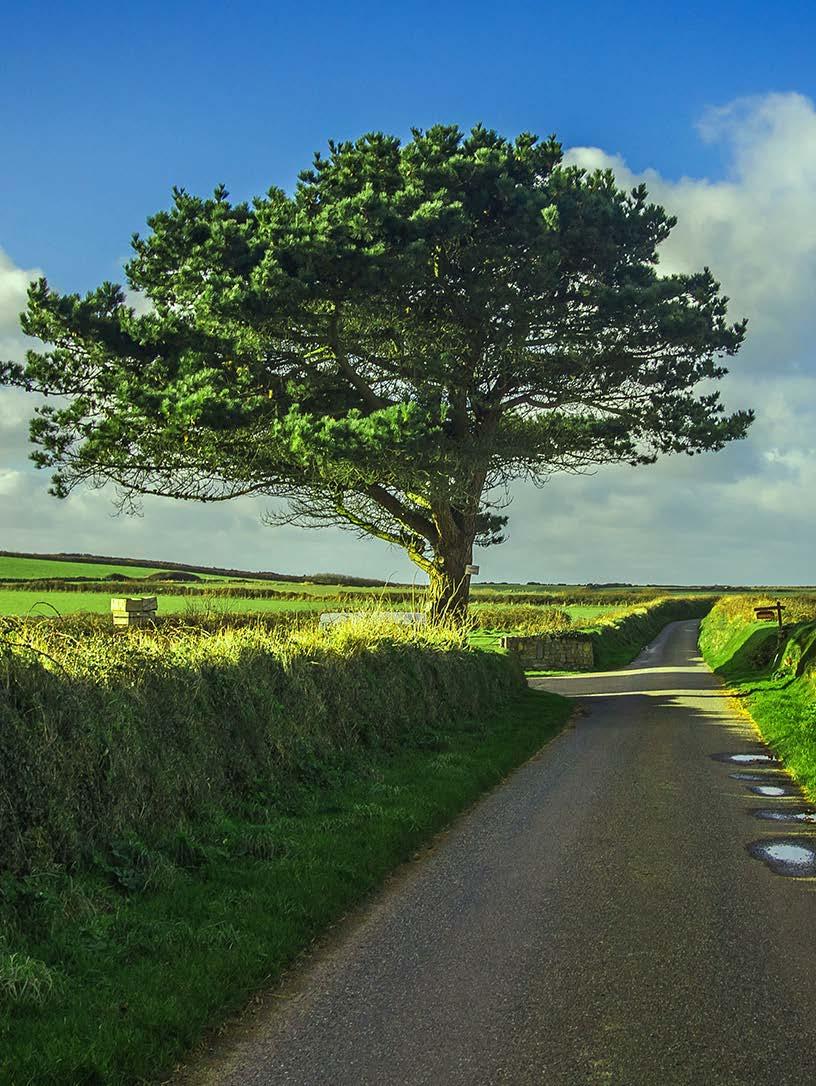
158 584
732 620
125 587
101 735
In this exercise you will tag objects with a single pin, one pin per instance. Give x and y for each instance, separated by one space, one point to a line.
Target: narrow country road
598 919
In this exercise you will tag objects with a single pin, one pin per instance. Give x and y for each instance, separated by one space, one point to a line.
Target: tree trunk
449 587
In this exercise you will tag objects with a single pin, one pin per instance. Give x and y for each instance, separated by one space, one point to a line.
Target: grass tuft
25 981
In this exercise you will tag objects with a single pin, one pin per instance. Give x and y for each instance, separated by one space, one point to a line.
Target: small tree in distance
415 327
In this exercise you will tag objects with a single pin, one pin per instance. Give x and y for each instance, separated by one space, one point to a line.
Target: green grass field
24 602
35 568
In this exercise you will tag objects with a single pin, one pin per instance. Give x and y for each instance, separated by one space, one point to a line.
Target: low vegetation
774 676
183 809
106 734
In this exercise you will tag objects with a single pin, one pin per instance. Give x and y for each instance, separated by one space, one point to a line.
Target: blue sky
104 110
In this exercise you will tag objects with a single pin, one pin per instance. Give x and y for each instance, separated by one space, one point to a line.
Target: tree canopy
414 327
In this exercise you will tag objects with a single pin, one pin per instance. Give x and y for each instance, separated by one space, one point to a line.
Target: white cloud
755 228
746 514
13 286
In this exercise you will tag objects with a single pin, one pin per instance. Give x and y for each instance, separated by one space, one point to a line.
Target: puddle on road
772 814
758 758
769 790
766 777
786 857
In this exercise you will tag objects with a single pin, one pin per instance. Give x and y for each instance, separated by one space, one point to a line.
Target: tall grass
103 734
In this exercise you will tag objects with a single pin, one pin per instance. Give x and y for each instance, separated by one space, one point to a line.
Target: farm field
24 602
35 568
52 599
53 602
18 568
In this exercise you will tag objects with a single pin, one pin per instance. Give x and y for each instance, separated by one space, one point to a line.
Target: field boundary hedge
102 735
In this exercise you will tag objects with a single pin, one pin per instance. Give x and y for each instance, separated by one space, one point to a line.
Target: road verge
773 679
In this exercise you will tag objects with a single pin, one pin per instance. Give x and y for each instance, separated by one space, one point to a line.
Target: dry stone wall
549 651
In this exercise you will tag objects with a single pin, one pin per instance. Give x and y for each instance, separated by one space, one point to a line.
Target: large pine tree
390 346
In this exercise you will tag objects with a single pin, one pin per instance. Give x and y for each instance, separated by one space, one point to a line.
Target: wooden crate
133 611
130 604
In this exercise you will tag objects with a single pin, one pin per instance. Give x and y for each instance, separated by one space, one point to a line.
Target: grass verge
124 963
776 683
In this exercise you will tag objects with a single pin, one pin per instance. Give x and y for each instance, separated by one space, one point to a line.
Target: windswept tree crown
415 326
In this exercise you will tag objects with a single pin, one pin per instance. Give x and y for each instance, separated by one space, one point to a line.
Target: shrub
103 736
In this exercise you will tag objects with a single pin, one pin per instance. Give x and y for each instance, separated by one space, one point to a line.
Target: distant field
576 611
35 568
22 602
489 639
12 568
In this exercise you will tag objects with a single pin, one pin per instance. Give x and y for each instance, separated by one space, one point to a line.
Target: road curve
597 919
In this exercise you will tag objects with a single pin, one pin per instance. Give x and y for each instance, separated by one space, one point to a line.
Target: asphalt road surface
597 919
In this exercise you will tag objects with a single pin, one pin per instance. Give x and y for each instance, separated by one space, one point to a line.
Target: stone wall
549 652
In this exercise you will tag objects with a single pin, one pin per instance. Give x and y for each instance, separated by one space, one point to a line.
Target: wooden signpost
769 613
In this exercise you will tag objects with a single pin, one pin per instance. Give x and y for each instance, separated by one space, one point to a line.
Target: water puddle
769 790
758 777
794 858
773 814
758 758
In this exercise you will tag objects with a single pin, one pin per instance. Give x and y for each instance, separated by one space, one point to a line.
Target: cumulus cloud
13 286
755 226
744 515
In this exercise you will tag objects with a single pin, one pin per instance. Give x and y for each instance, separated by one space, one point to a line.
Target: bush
102 735
521 619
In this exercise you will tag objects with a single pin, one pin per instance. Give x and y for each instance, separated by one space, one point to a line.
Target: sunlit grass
777 685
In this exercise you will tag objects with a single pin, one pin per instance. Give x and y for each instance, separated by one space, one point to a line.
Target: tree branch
374 401
415 521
